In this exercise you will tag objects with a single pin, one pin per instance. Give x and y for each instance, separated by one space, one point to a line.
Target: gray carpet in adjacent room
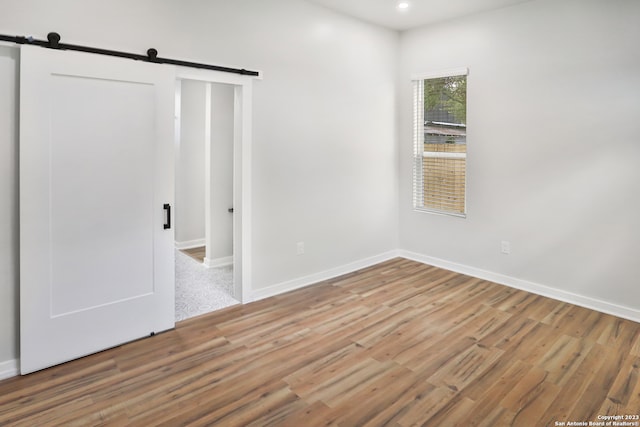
200 289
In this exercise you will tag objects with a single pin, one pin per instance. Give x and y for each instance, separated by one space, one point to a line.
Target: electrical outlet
300 248
506 247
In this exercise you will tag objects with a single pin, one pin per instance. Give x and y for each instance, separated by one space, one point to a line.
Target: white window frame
418 142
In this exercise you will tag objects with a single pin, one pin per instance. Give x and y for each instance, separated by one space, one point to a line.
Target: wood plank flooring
396 344
196 253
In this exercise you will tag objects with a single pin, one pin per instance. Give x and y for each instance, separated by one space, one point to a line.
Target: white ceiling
419 13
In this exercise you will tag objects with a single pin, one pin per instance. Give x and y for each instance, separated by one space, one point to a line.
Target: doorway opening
210 133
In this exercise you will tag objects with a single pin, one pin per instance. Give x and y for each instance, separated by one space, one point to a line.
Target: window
440 143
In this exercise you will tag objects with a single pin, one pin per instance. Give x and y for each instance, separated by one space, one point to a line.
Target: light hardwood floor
196 253
397 344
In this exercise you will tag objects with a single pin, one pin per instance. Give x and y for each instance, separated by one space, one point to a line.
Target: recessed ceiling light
403 5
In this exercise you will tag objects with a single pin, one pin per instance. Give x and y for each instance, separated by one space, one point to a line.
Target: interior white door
96 170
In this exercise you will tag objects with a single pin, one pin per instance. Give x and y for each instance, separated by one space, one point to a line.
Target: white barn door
96 186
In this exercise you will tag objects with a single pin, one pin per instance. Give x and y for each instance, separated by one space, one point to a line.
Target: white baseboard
525 285
189 244
8 369
218 262
302 282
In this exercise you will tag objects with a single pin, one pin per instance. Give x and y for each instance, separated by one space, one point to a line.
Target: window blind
418 144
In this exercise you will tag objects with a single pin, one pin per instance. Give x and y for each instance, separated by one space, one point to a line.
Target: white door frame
243 98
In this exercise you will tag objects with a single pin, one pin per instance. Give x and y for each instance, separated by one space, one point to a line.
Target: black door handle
230 210
167 207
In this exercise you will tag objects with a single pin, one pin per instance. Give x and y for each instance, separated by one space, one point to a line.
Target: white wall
221 173
324 164
190 163
553 145
324 154
9 268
